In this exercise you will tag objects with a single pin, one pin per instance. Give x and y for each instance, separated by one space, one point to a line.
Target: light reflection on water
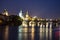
31 33
6 33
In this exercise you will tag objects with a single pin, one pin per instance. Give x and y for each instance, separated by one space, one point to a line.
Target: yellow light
47 24
33 29
32 33
38 24
30 23
41 19
26 18
25 29
33 19
0 21
33 24
27 14
6 13
41 28
25 25
6 33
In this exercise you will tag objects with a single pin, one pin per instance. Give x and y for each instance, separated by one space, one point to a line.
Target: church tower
20 14
27 16
5 12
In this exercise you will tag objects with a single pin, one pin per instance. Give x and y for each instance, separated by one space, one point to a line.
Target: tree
16 20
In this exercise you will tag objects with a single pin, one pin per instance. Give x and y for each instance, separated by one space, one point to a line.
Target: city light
21 14
0 21
30 26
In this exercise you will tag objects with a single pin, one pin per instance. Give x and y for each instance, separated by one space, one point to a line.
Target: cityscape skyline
21 15
25 27
43 9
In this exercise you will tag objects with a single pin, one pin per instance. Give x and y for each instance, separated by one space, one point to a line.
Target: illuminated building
5 12
32 21
21 14
27 16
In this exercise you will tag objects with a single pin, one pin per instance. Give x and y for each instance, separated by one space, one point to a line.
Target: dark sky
40 8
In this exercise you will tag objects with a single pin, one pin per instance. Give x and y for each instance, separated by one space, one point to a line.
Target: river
42 32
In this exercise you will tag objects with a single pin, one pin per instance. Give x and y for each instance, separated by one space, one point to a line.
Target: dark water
9 32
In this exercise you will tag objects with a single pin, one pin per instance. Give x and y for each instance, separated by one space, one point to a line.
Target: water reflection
43 32
46 31
6 33
13 32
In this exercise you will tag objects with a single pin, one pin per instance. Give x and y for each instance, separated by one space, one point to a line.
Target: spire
27 15
5 12
20 14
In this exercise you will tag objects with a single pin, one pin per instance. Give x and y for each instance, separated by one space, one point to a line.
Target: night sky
39 8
